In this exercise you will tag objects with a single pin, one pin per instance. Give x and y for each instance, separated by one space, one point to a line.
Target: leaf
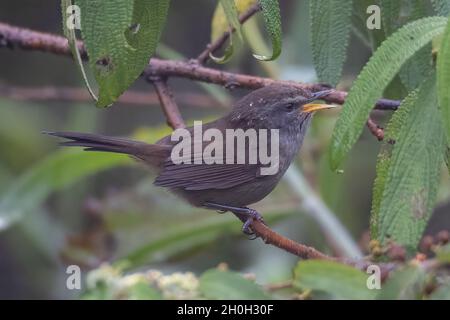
443 80
120 37
404 284
443 254
143 291
441 293
219 22
72 40
231 14
419 66
384 159
442 7
186 237
330 31
390 15
408 175
375 76
54 173
272 18
228 285
337 279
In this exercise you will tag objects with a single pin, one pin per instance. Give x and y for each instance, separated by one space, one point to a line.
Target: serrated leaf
337 279
390 15
53 173
443 80
442 7
272 18
227 285
69 33
384 158
120 37
330 31
404 284
375 76
409 178
419 66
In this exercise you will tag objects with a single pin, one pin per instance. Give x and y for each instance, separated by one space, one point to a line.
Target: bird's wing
206 176
191 176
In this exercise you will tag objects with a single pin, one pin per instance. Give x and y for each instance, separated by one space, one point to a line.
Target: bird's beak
313 107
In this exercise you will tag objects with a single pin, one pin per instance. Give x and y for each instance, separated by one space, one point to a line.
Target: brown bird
224 186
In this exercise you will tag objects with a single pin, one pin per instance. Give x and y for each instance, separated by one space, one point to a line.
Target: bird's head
277 106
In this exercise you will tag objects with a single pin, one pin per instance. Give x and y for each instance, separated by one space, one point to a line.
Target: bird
226 186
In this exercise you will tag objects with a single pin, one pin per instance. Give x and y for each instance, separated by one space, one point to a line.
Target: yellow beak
313 107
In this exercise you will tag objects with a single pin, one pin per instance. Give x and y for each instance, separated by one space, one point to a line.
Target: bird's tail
152 154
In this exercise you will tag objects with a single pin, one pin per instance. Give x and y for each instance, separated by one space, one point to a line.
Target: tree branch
33 40
170 107
375 129
75 94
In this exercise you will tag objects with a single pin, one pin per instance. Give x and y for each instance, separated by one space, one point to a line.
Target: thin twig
375 129
271 237
170 107
74 94
32 40
217 44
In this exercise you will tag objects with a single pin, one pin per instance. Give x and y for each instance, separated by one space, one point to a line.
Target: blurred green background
60 207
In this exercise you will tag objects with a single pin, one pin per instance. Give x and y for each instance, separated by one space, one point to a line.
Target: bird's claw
251 216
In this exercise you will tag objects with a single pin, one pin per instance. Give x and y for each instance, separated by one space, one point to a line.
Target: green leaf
419 66
441 293
186 237
330 30
443 254
69 33
442 7
443 80
54 173
337 279
375 76
143 291
227 285
404 284
390 15
272 18
219 22
408 169
232 17
120 37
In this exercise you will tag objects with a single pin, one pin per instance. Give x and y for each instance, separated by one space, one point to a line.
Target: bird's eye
289 107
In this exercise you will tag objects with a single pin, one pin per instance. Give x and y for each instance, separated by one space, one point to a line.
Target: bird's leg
246 215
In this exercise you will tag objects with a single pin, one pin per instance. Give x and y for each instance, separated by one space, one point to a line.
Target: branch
300 250
32 40
73 94
375 129
217 44
170 108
